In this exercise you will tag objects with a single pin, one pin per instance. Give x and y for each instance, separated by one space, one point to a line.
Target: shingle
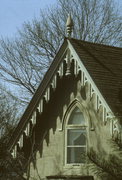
104 64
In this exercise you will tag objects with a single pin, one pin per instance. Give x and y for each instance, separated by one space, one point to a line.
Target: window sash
75 139
76 155
72 150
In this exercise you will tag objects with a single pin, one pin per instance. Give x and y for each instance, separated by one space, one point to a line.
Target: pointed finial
69 26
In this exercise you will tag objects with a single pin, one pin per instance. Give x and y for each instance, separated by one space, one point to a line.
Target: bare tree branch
24 60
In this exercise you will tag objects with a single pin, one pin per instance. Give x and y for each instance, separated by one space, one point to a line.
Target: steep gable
97 69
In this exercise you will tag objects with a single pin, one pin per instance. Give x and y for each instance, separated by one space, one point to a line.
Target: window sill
77 166
69 177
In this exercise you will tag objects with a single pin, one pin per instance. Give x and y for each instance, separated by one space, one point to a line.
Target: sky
13 13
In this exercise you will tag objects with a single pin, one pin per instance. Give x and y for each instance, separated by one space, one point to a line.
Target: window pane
76 154
76 117
76 137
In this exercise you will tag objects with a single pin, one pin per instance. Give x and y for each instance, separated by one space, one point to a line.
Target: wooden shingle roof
104 64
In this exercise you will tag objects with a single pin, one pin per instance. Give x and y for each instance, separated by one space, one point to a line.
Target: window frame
74 126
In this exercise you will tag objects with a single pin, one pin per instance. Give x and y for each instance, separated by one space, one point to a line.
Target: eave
37 96
67 53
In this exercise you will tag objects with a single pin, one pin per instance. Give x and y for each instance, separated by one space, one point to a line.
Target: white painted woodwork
47 94
68 62
91 91
75 67
54 82
21 141
97 103
104 115
82 78
40 106
27 130
14 152
33 119
61 70
116 126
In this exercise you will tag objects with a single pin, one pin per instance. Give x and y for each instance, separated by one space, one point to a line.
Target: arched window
76 138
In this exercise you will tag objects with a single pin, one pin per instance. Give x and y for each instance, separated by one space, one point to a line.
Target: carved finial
69 25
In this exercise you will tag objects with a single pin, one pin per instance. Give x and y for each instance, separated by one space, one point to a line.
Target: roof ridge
95 43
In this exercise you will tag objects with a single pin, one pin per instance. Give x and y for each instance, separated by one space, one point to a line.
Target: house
76 110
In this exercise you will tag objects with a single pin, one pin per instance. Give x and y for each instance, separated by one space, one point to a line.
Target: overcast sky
14 12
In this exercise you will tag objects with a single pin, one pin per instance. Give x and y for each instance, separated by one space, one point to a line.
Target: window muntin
76 138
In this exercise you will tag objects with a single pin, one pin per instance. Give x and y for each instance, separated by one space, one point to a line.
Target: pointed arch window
76 138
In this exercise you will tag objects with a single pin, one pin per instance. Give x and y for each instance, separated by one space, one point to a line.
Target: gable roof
103 63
